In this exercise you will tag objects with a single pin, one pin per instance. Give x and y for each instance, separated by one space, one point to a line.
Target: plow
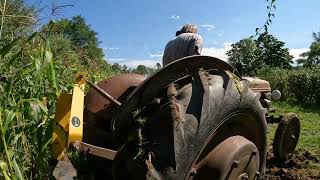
196 118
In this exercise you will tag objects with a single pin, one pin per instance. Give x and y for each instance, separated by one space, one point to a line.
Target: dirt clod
298 165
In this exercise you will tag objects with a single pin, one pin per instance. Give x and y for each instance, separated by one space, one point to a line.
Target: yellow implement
68 125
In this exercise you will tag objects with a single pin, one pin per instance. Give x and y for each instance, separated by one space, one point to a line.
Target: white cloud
208 27
220 33
156 55
296 52
110 48
133 63
175 17
221 52
218 52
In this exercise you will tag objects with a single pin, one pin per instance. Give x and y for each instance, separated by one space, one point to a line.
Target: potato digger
196 118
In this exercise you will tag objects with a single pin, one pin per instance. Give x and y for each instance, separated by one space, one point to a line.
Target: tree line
250 55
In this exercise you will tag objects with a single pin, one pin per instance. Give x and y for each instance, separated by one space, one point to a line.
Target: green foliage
305 84
140 69
27 108
244 56
271 7
278 79
84 40
17 19
312 57
302 85
273 52
248 55
34 69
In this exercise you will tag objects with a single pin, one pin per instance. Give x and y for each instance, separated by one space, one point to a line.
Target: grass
310 126
309 139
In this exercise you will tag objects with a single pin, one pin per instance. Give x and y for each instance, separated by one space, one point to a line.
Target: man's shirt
186 44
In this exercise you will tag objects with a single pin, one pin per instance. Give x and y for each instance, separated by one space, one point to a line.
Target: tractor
196 118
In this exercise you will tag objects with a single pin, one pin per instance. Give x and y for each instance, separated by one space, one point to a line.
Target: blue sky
136 32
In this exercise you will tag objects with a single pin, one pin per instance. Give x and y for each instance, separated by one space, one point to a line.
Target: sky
134 32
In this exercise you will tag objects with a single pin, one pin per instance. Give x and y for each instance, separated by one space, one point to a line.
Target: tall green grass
26 107
31 80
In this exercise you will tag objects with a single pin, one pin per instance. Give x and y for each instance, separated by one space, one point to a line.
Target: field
304 163
38 63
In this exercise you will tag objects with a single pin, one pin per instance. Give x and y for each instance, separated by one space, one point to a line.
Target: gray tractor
194 119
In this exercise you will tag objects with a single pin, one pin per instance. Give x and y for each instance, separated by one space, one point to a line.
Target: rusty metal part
94 150
104 94
102 109
234 158
287 135
258 85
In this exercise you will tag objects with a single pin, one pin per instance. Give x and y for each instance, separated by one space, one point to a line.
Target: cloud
208 27
296 52
110 48
133 63
220 33
156 55
175 17
218 52
221 52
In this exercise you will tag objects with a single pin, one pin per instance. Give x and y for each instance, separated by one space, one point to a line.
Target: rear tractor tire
203 112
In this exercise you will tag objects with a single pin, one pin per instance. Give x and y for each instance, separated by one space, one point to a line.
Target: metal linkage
103 93
94 150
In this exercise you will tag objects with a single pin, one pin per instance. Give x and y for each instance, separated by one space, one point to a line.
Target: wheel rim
234 158
287 135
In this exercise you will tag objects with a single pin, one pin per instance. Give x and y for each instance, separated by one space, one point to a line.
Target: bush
278 79
302 84
305 84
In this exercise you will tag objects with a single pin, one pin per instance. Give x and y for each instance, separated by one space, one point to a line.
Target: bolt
76 145
193 173
243 176
236 164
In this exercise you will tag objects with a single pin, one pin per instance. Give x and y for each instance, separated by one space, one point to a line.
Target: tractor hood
258 85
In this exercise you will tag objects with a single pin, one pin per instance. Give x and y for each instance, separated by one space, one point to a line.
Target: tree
141 69
249 55
273 52
244 56
83 38
312 57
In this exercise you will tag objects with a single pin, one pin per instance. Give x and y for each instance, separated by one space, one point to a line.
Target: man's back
186 44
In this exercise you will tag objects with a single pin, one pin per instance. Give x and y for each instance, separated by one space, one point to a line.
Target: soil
298 165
